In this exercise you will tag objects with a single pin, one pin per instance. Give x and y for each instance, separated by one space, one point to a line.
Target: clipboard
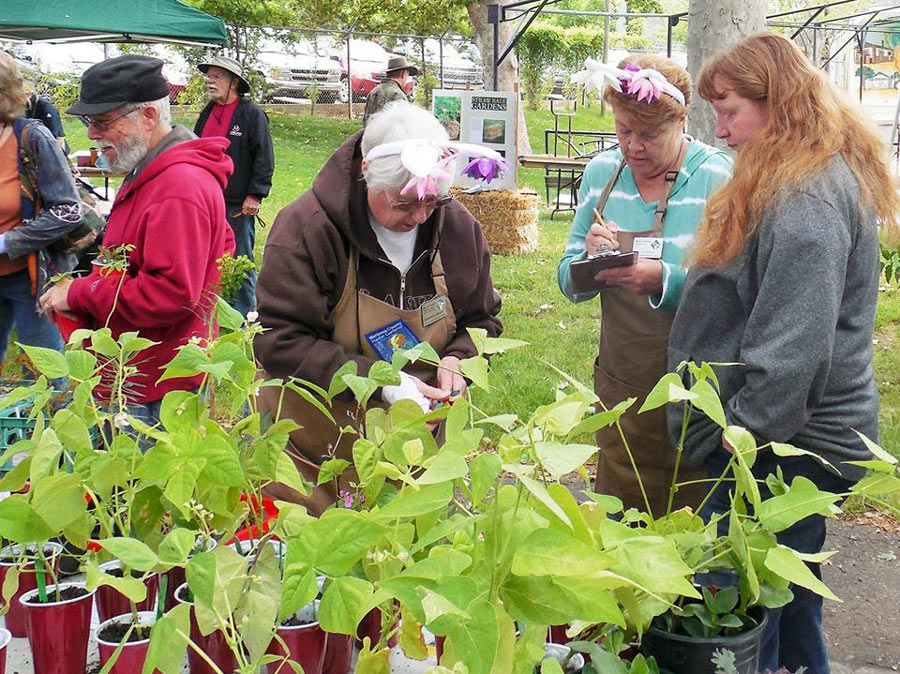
582 272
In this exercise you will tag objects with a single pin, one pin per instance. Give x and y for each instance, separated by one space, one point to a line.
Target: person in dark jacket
169 209
395 88
783 287
42 108
38 207
231 114
364 259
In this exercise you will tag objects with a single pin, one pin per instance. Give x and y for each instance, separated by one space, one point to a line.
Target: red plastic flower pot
5 638
370 626
338 654
305 643
68 325
111 602
213 645
131 657
558 634
58 631
15 618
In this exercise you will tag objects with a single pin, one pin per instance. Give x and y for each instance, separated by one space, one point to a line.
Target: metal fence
343 67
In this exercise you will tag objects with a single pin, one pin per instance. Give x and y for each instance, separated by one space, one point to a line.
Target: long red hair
809 121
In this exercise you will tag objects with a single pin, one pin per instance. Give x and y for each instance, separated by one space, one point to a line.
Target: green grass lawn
534 310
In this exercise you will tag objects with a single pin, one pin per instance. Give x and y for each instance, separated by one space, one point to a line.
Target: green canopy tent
108 21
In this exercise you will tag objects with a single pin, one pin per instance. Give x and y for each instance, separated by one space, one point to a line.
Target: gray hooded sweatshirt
796 310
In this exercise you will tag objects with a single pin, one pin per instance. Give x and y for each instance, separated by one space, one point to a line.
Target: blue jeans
793 637
17 307
244 227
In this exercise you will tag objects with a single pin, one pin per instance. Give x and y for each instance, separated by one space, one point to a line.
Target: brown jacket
305 262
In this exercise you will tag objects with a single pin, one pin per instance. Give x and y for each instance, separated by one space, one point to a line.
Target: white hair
162 105
398 121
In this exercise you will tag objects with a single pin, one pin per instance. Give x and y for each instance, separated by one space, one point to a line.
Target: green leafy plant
890 265
711 617
482 543
233 270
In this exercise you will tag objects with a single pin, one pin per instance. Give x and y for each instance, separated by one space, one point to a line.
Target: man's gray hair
162 105
398 121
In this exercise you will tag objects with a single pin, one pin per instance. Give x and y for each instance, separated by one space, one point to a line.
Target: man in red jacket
169 208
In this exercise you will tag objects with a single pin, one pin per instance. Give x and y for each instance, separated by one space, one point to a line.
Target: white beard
128 153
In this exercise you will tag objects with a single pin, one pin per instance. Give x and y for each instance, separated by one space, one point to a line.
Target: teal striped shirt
705 169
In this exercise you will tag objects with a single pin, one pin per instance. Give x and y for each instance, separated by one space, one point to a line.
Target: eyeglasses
102 125
427 204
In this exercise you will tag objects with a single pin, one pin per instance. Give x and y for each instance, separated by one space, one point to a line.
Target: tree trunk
714 25
507 74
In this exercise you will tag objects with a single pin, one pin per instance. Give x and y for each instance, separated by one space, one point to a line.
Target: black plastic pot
681 654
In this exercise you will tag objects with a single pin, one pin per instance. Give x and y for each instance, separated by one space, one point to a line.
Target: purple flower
630 67
347 496
485 168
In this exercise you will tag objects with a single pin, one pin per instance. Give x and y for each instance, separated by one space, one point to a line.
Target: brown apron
355 315
632 358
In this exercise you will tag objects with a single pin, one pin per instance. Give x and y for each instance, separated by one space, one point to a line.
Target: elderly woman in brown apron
375 254
646 196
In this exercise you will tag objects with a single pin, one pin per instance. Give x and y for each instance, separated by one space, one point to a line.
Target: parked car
292 70
460 70
368 62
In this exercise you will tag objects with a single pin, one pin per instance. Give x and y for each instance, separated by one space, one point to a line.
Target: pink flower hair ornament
646 84
430 162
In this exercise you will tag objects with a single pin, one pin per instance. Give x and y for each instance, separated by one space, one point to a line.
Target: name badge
390 338
648 247
433 310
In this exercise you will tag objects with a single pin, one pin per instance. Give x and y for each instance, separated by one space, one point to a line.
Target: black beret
118 81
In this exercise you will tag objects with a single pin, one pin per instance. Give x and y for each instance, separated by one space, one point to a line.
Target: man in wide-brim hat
394 88
231 114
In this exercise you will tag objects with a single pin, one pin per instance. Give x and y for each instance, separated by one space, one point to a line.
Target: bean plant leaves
413 503
668 389
345 602
133 553
560 459
20 523
49 362
483 470
168 641
445 467
176 547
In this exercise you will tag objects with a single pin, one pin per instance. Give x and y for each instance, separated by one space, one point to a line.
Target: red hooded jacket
174 215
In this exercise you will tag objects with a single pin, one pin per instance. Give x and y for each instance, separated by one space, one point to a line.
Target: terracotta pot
338 654
15 618
305 643
58 631
5 638
131 657
111 602
213 644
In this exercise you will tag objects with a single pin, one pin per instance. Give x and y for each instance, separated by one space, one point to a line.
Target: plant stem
161 595
41 581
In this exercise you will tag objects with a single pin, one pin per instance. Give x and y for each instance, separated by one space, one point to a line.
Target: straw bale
509 219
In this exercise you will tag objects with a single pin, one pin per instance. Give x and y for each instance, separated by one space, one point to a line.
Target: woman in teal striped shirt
648 195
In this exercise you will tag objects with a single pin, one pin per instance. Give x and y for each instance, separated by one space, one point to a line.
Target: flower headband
646 84
428 160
